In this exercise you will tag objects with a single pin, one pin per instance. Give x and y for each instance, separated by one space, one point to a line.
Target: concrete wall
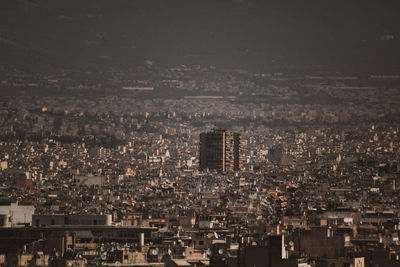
18 214
90 180
318 242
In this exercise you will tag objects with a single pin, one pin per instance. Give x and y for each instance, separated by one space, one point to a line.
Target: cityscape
117 149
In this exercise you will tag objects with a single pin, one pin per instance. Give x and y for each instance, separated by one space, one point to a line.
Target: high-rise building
220 150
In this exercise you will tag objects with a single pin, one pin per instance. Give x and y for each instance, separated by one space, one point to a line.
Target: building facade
12 214
46 220
220 150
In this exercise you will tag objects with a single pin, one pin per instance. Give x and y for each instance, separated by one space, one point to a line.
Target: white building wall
19 214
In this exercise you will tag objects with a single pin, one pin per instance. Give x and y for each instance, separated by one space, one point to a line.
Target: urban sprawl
105 168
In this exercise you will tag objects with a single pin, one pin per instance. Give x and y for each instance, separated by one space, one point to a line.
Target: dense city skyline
199 133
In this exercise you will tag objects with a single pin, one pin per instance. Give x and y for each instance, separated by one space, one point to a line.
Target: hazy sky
327 34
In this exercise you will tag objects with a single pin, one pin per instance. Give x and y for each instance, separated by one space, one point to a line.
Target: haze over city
199 133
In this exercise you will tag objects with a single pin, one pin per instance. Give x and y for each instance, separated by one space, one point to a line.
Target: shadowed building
220 150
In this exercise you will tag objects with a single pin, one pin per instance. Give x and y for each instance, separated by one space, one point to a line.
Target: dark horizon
259 35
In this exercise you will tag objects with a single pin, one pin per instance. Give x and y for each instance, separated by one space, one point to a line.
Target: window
53 222
201 242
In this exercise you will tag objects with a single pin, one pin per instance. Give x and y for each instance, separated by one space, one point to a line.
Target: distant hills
255 34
